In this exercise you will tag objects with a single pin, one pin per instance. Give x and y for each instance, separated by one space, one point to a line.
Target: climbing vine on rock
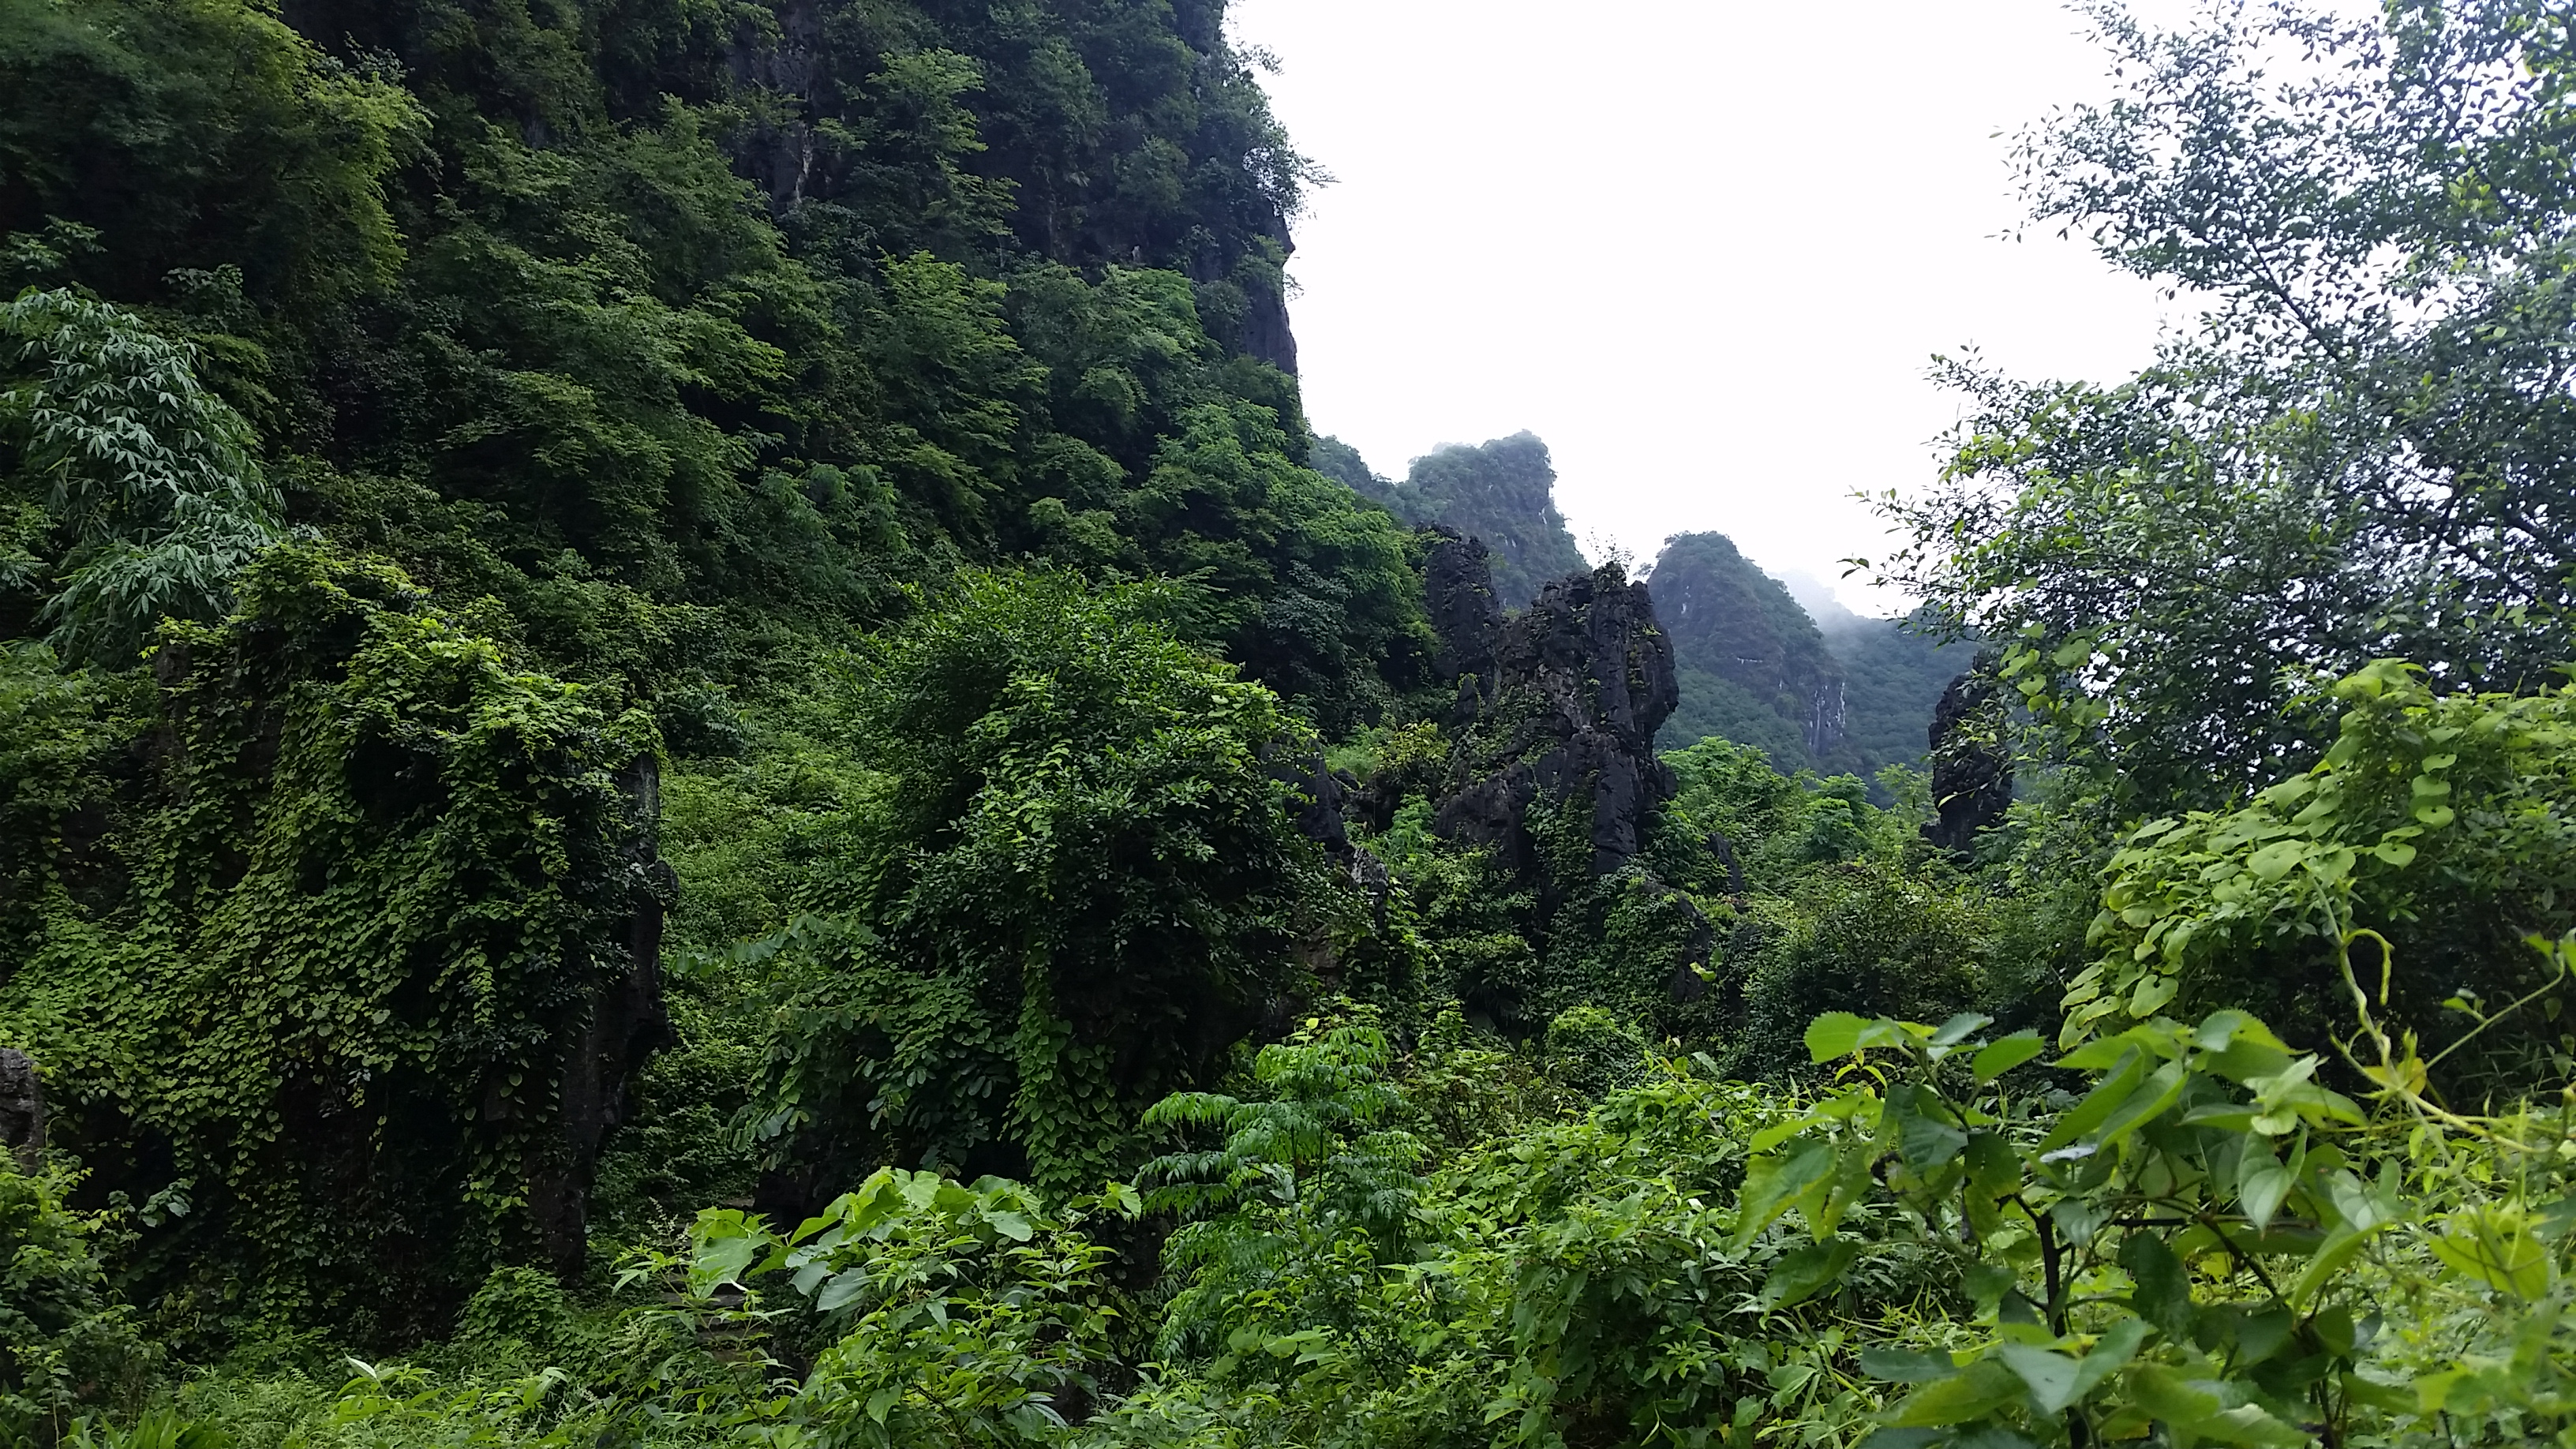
340 967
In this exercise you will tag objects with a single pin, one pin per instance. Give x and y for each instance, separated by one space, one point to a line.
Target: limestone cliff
1565 716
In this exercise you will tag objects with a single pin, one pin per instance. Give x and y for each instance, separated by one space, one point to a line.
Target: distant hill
1776 663
1783 665
1503 492
1753 667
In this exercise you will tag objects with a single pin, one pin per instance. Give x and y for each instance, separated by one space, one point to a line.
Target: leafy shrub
357 904
67 1346
963 1315
1318 1158
1592 1051
2207 1245
2434 837
1867 936
146 472
1080 886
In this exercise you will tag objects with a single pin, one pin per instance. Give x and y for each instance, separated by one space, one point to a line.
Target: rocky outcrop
627 1023
22 1109
1458 593
1972 776
1580 683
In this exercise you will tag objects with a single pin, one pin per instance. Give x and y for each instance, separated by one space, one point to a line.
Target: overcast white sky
1706 250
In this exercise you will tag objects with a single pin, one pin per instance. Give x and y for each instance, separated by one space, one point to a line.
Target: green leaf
2162 1291
2276 859
1799 1275
1959 1028
1925 1140
1839 1033
2050 1376
1906 1367
1972 1393
2098 1104
2208 1409
1999 1057
2495 1245
2153 1099
845 1285
2261 1185
1772 1183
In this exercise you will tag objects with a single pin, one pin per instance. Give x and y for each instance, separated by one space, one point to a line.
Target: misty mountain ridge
1779 663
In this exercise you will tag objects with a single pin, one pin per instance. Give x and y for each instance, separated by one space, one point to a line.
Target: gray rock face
1972 776
22 1109
1580 683
627 1023
1458 590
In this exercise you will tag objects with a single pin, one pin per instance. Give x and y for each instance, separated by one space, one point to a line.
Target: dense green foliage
2363 453
1071 886
64 1340
324 900
693 752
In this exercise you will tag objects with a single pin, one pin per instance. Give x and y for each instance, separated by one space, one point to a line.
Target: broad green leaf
1925 1140
2151 995
2251 1424
2050 1376
1839 1034
2110 1353
1779 1132
2338 1250
2495 1245
2153 1098
2098 1104
2057 1380
2161 1294
1999 1057
845 1285
2261 1185
1959 1028
1972 1393
1799 1275
1834 1034
1772 1183
2169 1395
2276 859
1906 1367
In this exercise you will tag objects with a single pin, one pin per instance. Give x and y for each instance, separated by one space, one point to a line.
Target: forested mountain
720 320
1503 492
1810 682
694 752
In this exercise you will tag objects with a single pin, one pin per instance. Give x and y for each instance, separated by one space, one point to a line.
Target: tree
1079 885
2367 448
146 475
